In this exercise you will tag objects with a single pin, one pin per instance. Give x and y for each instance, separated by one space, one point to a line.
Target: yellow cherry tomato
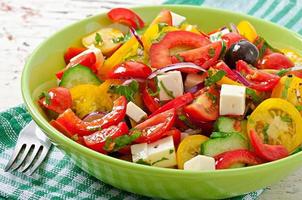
293 56
189 148
277 122
246 29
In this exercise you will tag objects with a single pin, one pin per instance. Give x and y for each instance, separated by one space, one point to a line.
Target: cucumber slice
227 124
78 75
233 141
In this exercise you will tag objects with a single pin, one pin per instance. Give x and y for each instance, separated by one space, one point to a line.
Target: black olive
242 50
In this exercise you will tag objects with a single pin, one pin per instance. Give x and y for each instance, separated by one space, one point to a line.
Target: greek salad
167 94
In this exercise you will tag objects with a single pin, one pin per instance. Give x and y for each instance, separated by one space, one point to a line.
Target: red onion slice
137 37
195 88
94 116
241 78
234 28
175 66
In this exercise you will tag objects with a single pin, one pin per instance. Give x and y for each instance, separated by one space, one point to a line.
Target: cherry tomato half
126 16
275 61
150 102
130 69
72 52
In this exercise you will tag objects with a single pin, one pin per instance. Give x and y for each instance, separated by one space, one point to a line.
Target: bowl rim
44 124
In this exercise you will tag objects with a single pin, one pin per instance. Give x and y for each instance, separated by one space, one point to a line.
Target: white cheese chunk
139 152
135 112
232 100
177 19
217 36
170 82
200 163
162 153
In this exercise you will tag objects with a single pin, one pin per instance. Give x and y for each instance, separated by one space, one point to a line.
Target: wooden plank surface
25 24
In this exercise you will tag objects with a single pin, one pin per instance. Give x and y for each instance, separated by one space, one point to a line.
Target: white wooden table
25 24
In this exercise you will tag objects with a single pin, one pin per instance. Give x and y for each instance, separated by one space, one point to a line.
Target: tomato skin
266 151
72 52
154 128
150 102
176 134
201 56
60 100
126 16
259 80
160 52
97 140
176 103
130 69
275 61
163 17
229 73
231 38
227 159
75 125
203 108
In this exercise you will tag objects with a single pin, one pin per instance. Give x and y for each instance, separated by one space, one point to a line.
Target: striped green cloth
59 178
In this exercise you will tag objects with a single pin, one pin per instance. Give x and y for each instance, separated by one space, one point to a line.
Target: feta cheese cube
170 82
139 152
162 153
135 112
200 163
217 36
177 19
232 100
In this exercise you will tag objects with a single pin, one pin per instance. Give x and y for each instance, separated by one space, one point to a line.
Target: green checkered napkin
59 178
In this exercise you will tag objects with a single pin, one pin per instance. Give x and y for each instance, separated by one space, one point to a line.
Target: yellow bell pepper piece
189 27
226 80
293 56
246 29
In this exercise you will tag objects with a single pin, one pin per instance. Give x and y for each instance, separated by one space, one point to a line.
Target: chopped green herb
168 92
253 95
75 137
297 150
159 38
211 52
118 40
186 121
160 160
153 94
286 87
212 97
299 108
98 39
171 151
286 118
126 90
161 26
282 72
265 134
47 97
215 77
182 117
120 142
142 162
265 45
179 58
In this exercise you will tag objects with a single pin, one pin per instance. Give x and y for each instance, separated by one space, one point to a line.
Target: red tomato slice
163 17
154 128
266 151
74 125
229 158
176 103
126 16
58 100
150 102
160 52
97 140
232 38
275 61
72 52
130 69
176 134
205 56
259 80
229 73
205 107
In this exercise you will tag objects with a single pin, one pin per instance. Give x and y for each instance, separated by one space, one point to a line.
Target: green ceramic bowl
47 59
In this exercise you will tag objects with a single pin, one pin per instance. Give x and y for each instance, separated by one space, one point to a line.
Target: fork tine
40 159
23 156
13 157
31 159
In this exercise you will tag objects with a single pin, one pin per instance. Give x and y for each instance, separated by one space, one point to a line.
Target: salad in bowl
167 94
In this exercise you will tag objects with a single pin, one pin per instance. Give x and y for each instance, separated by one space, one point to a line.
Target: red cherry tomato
74 125
266 151
259 80
229 158
204 107
97 140
130 69
176 134
126 16
154 128
232 38
163 17
160 52
72 52
57 100
275 61
150 102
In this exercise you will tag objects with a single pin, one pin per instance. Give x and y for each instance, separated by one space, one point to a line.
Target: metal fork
30 151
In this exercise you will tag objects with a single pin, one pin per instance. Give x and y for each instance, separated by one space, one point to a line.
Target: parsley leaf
167 91
126 90
161 26
142 162
179 58
118 40
121 141
211 52
212 97
299 108
160 160
253 95
286 118
47 97
171 151
215 77
282 72
98 39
